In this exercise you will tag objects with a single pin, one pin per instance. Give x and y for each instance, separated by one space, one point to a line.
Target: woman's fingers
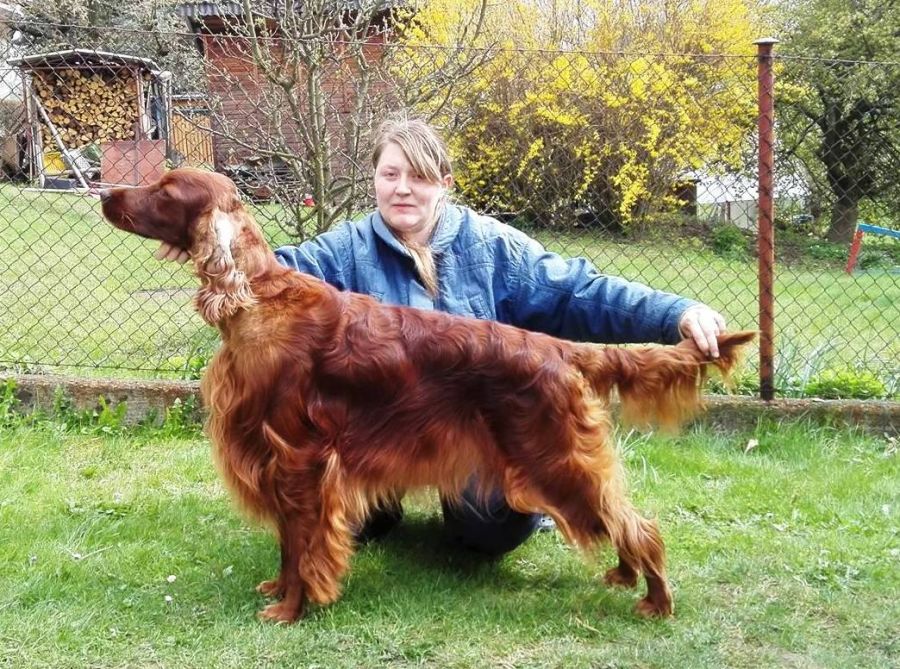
703 325
171 253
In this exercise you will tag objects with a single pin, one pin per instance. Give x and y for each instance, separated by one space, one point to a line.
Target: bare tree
145 28
298 89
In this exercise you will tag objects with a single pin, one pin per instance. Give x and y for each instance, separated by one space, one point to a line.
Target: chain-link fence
838 157
646 164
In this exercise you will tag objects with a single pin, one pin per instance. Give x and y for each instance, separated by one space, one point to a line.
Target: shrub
795 366
729 242
828 251
874 259
846 384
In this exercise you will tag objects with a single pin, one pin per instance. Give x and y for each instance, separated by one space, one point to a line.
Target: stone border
728 412
142 398
878 417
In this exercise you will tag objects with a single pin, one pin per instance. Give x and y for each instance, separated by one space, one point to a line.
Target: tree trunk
843 220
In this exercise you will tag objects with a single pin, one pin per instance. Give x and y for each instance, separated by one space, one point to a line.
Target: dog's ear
232 202
224 288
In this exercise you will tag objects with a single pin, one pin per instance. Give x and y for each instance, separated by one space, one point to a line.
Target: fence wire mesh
645 164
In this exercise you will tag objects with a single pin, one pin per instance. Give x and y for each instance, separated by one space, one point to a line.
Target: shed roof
76 57
194 10
231 8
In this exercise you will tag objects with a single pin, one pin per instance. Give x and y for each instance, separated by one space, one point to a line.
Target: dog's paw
618 577
655 608
281 613
271 588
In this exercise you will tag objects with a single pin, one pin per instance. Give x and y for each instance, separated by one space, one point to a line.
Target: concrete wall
144 398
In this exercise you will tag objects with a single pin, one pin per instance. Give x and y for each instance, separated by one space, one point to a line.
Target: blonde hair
420 143
428 155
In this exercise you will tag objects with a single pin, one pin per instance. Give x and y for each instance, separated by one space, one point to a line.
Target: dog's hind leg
640 548
587 519
274 587
636 540
584 493
625 575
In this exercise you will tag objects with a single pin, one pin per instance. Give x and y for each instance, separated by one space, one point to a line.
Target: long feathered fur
323 404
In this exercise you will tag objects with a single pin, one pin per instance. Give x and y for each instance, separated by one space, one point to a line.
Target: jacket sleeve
326 257
571 299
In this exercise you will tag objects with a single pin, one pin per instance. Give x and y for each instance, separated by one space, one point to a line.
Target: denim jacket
489 270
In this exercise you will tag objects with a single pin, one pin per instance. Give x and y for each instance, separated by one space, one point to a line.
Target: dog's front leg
274 587
289 585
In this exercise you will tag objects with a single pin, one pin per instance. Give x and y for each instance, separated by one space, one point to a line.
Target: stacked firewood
87 107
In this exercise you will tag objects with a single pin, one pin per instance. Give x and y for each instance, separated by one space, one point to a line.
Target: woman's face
407 201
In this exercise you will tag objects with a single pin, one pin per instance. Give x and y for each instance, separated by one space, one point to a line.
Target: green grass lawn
80 296
120 549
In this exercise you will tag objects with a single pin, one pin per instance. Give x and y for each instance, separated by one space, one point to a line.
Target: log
59 142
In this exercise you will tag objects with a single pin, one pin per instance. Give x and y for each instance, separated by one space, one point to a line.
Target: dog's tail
657 385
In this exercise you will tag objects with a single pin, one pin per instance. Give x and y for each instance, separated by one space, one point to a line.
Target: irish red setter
325 403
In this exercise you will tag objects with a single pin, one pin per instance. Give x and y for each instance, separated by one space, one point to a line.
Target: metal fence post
766 217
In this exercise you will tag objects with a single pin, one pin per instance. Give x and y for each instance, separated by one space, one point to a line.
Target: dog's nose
104 194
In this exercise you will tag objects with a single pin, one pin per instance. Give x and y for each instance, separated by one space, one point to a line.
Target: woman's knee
491 528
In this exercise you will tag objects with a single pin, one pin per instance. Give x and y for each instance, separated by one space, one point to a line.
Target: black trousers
490 528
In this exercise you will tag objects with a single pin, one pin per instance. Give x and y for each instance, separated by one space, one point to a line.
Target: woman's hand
172 253
702 324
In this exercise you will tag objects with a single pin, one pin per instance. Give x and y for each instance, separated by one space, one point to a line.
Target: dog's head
201 213
174 208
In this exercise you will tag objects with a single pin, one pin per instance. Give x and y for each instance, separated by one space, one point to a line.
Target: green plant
874 259
8 402
742 382
182 418
191 367
794 367
105 418
108 417
827 251
63 416
846 384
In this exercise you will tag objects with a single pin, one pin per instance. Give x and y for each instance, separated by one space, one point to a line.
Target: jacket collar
446 230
